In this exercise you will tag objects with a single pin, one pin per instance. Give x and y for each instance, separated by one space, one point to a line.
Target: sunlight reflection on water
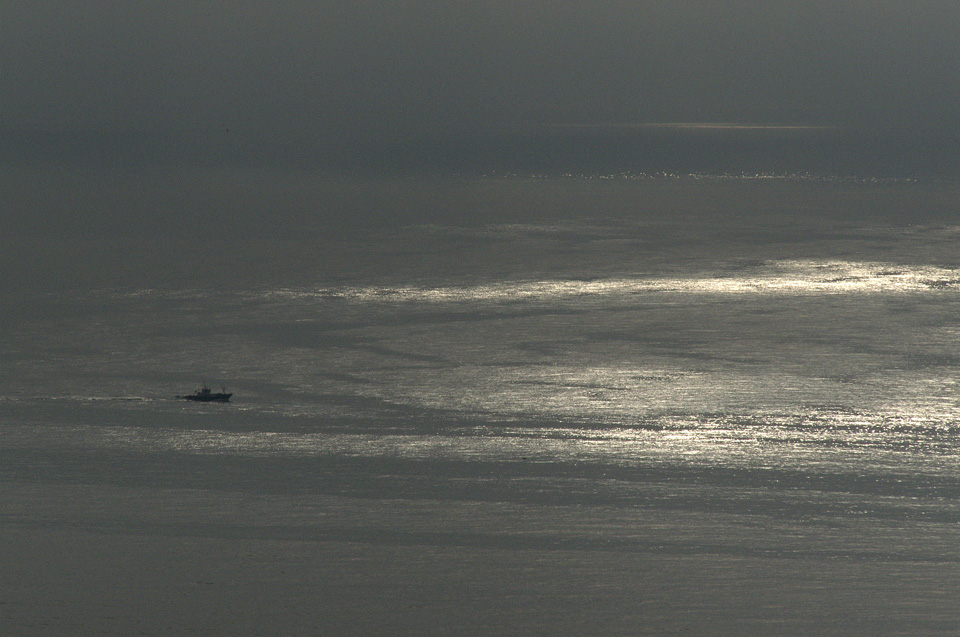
826 438
776 277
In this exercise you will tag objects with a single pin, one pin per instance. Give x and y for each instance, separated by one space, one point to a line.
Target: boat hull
210 398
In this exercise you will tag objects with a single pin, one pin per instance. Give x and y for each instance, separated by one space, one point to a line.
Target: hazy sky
354 84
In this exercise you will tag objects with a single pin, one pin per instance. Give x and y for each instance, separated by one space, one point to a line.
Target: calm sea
572 405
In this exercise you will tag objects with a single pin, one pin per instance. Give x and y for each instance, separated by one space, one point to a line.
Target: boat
204 395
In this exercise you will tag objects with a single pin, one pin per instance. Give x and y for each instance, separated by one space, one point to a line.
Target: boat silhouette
204 395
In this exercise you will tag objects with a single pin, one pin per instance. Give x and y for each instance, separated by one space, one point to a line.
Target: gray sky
459 84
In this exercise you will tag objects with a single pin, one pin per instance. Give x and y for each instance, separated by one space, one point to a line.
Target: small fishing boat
204 395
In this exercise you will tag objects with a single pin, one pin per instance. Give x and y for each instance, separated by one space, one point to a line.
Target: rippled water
744 407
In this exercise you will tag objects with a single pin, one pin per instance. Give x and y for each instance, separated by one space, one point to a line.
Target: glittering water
740 406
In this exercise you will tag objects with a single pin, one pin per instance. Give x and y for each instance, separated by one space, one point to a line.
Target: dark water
513 406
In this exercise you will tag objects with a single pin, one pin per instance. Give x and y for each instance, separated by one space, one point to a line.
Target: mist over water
637 405
540 318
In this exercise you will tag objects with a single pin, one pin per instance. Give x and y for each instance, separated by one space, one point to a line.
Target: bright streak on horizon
706 126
